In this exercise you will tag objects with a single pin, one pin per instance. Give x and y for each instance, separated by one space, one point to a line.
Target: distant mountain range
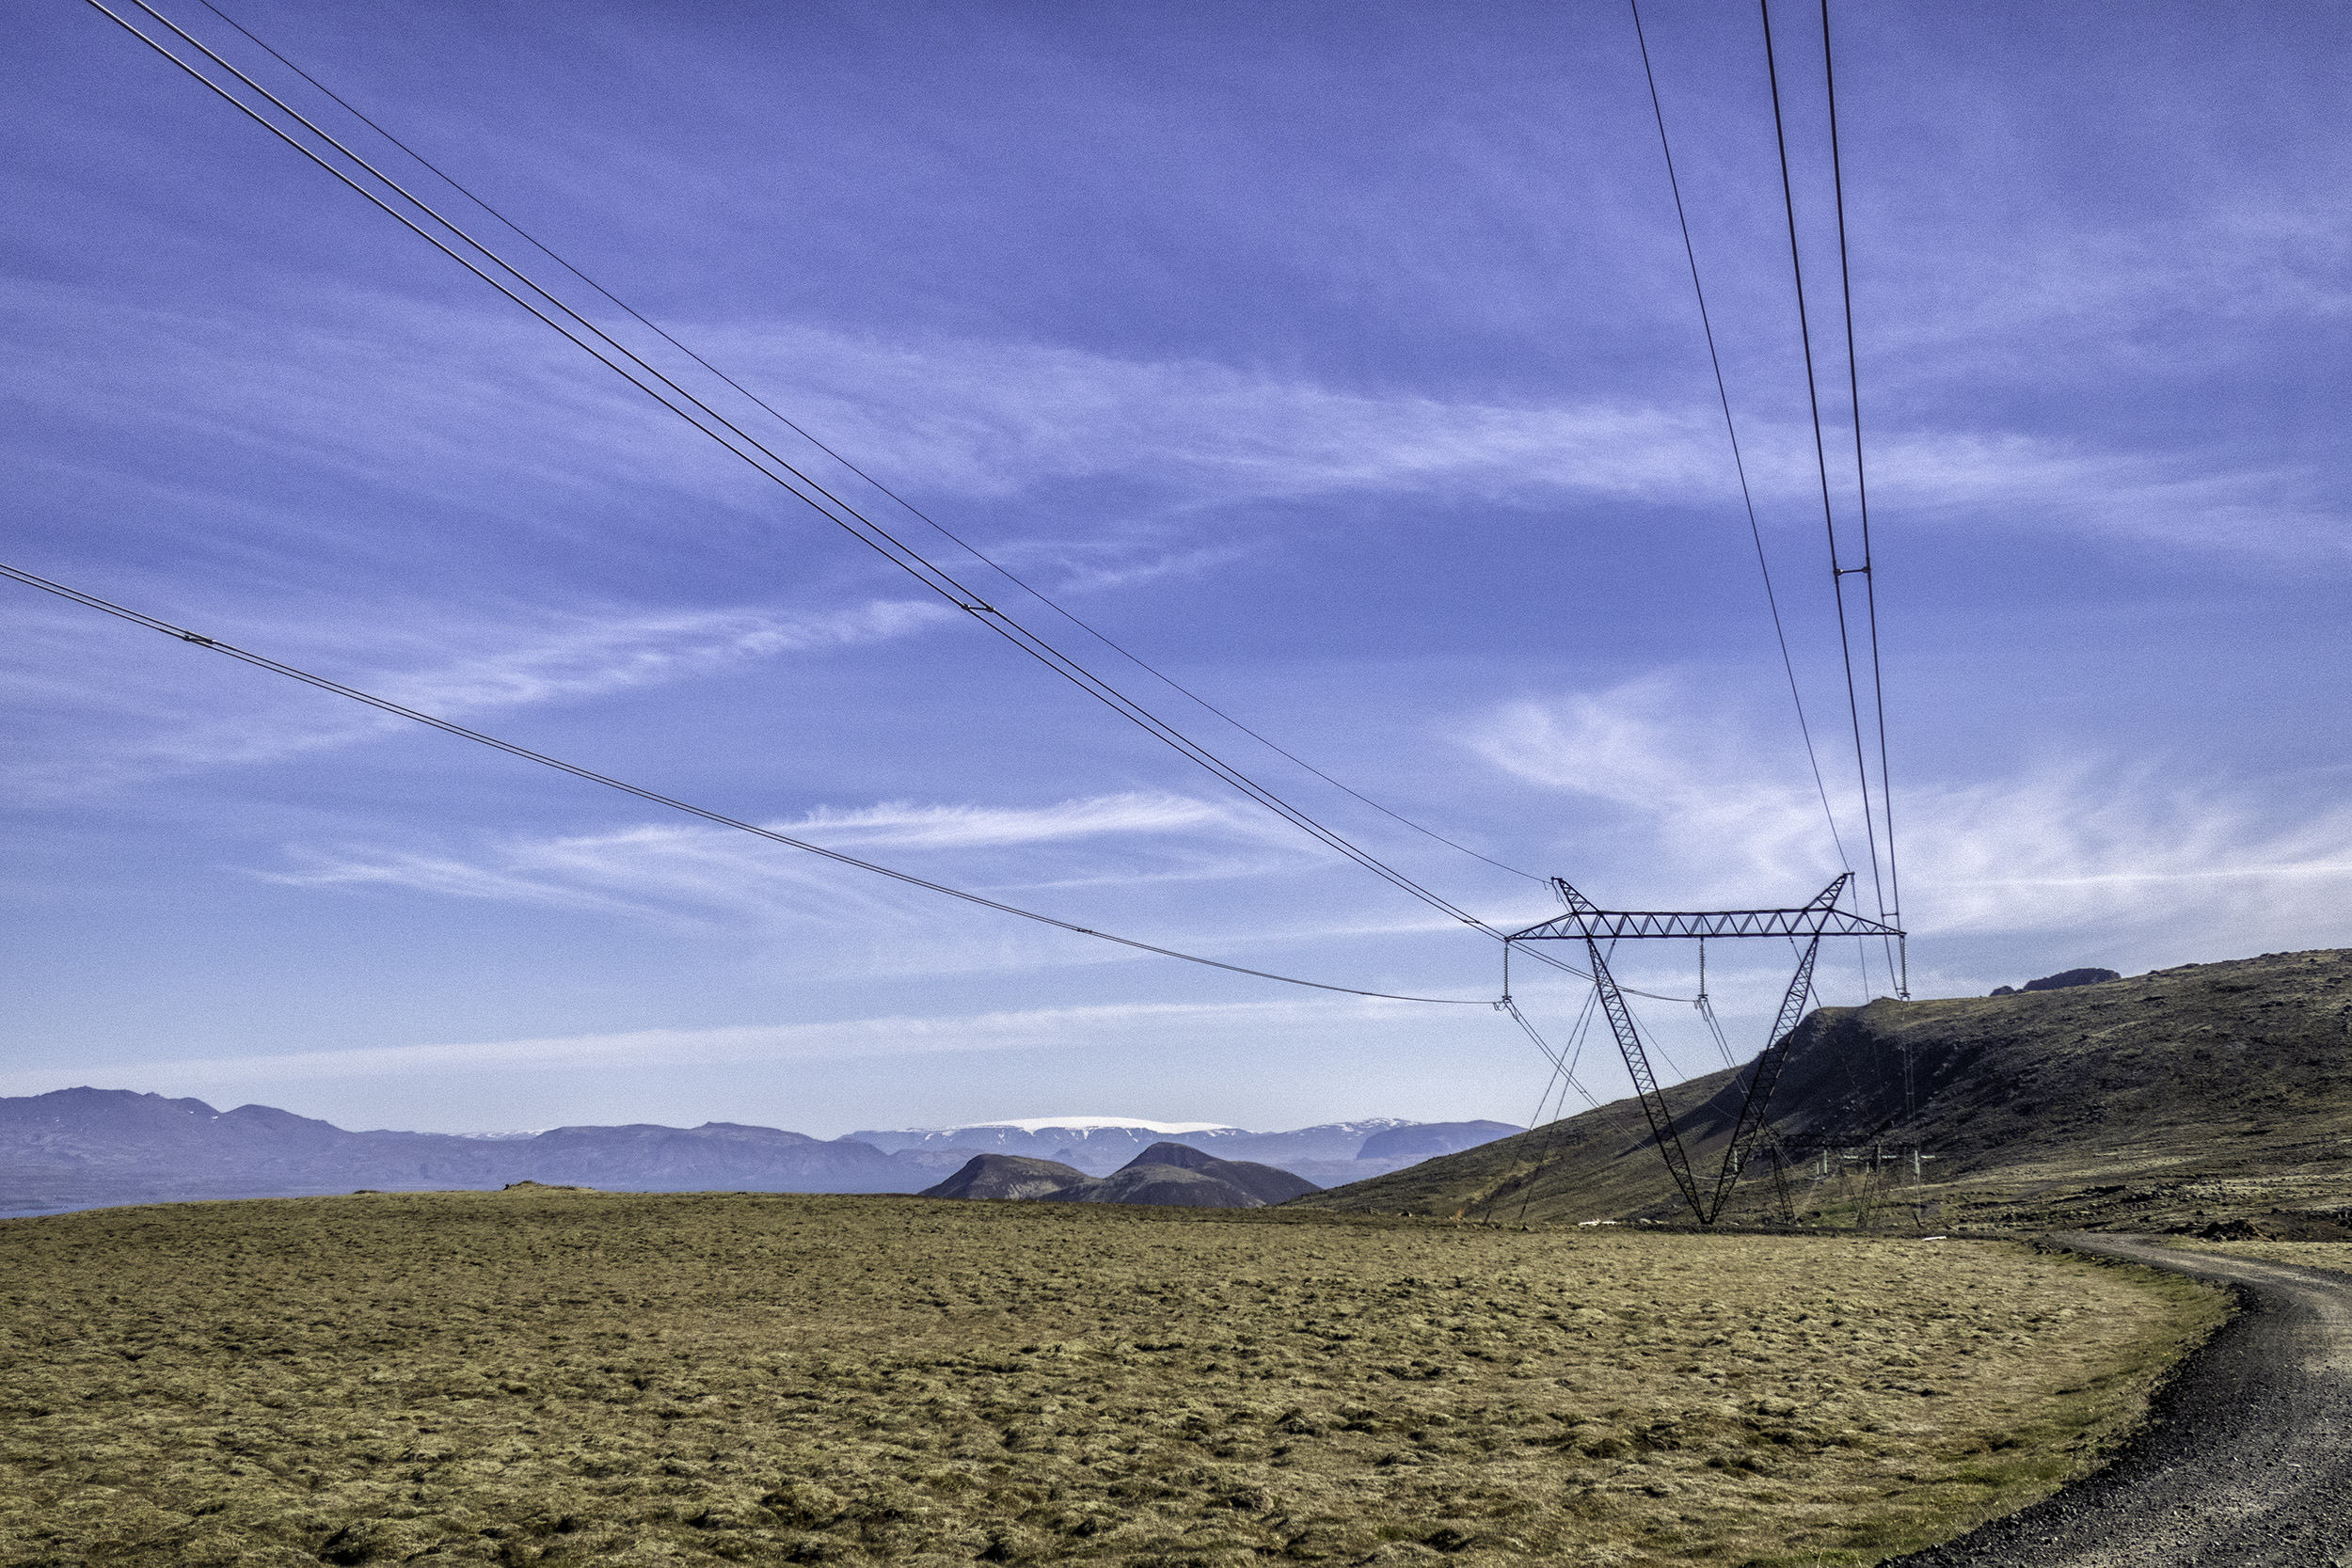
86 1148
1327 1155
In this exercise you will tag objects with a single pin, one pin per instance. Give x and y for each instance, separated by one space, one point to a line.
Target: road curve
2247 1462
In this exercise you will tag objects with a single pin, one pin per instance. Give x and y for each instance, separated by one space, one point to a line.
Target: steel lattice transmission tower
1594 926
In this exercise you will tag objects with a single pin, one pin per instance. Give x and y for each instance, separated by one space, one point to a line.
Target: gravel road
2248 1461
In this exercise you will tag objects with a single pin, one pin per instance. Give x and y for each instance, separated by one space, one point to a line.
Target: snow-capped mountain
1098 1145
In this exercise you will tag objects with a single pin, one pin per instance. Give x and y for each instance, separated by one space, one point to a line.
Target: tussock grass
553 1377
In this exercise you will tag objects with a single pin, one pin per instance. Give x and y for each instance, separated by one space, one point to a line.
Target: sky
1339 362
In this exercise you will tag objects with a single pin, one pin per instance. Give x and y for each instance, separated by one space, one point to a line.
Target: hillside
2182 1097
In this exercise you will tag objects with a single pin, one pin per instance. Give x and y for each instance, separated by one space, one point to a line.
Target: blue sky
1341 360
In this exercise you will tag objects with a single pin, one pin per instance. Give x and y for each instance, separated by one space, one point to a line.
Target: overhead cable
1892 912
777 470
753 453
400 710
1838 570
785 420
1732 430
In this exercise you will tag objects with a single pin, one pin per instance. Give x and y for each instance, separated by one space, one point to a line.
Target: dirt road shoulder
2246 1460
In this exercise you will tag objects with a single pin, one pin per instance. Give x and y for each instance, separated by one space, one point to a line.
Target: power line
386 705
798 484
805 434
1738 465
790 478
1821 455
1862 498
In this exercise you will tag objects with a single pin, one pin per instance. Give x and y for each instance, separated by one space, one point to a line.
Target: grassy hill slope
2185 1097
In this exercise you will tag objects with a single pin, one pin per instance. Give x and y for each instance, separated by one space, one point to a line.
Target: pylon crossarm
1749 1129
1819 918
1645 1081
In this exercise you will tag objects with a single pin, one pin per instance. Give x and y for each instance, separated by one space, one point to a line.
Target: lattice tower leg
1866 1204
1787 1199
1644 1081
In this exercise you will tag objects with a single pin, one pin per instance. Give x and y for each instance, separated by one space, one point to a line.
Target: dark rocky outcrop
2067 977
2061 981
1266 1183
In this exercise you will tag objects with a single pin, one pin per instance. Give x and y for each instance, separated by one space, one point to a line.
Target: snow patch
1091 1124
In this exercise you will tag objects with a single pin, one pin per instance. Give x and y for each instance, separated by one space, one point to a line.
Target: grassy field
558 1376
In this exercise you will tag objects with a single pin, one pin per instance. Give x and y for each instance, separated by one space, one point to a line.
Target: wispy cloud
989 418
963 419
2111 852
696 873
512 661
969 418
2203 500
591 657
969 827
1033 1029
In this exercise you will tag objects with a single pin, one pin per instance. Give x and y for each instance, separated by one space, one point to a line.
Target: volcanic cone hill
1262 1183
2183 1099
1159 1187
1006 1176
1167 1175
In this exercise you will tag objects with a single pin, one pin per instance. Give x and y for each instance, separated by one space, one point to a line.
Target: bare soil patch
544 1376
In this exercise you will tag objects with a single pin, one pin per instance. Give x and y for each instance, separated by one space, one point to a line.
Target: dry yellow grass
556 1377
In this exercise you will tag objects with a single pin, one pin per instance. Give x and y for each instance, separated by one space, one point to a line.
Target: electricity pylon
1593 926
